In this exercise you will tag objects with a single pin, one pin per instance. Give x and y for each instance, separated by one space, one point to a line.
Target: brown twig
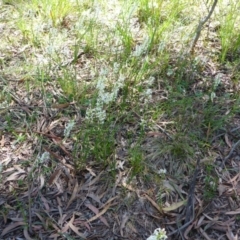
200 26
231 152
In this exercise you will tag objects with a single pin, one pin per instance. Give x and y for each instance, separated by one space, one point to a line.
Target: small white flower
101 84
146 96
116 67
103 72
119 83
159 234
68 128
212 96
148 92
150 81
104 96
162 171
140 49
101 115
96 113
3 104
45 156
143 122
170 72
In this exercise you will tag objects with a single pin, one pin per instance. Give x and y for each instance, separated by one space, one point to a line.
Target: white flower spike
159 234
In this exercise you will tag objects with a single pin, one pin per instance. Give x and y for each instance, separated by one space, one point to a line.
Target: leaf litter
82 204
90 204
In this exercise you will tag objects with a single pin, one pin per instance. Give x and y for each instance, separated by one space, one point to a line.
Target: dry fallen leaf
41 219
228 141
26 234
95 198
222 188
45 202
14 176
153 203
100 213
230 235
75 229
205 234
237 211
74 194
91 171
54 176
125 218
10 227
2 142
60 106
131 226
187 231
42 181
174 206
96 211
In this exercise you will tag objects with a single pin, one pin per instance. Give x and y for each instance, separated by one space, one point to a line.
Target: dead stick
231 152
200 26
